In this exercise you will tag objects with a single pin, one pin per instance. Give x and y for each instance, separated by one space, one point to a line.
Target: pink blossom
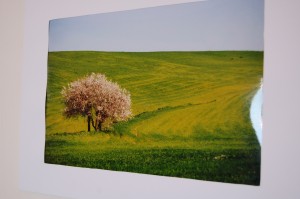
95 95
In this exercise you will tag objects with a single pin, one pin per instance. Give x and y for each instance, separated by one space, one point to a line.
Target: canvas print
173 91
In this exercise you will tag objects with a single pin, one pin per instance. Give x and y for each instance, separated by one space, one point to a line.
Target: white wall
280 152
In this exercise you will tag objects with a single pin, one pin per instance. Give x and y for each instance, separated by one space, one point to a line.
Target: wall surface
281 111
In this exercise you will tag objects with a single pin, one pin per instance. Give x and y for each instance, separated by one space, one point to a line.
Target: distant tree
98 99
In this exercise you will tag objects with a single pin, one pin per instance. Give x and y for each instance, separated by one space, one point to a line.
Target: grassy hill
191 114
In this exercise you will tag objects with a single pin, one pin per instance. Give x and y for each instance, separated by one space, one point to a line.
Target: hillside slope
181 101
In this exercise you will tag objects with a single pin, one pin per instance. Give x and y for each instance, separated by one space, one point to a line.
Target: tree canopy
95 96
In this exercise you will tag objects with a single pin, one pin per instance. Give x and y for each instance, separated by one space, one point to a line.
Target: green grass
190 114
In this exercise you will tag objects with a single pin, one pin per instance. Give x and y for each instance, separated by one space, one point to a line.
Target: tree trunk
89 121
98 122
100 126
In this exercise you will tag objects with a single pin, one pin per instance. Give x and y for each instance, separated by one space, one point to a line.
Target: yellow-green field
190 114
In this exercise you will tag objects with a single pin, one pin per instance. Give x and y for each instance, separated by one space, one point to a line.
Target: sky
197 26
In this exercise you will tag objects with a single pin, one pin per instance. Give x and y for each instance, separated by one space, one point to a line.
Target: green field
190 114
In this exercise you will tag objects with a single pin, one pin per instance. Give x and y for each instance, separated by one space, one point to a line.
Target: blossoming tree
98 99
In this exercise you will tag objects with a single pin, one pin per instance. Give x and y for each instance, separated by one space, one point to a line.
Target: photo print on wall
170 90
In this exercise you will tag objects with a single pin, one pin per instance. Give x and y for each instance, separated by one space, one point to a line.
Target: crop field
190 114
